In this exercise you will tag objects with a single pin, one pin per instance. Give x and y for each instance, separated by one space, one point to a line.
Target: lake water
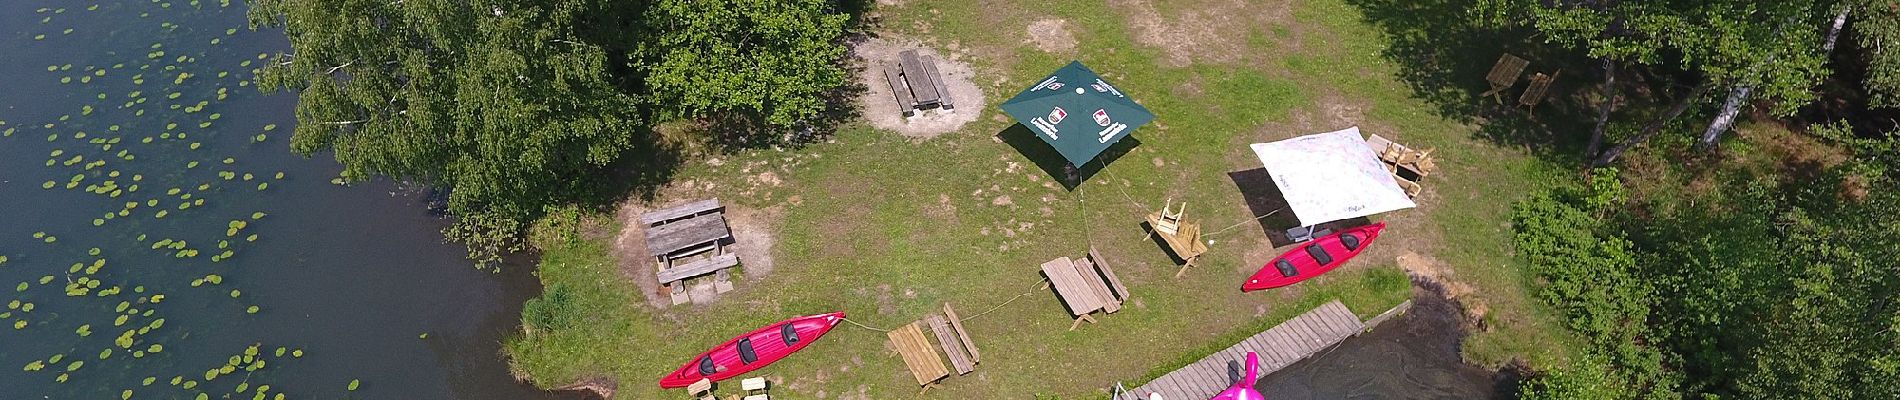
354 277
1414 356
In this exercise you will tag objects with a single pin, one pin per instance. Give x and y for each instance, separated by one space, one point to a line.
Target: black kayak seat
706 367
789 333
1319 254
746 353
1286 268
1351 242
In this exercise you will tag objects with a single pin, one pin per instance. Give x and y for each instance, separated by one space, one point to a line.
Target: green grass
889 228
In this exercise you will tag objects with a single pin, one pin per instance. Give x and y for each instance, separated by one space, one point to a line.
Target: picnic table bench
697 233
1085 286
921 358
916 83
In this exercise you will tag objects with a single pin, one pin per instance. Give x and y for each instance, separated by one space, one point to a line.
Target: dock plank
1281 346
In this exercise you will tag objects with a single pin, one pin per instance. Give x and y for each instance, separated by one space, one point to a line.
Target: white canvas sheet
1331 176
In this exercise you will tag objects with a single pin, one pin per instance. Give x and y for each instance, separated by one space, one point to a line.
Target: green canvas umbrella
1077 112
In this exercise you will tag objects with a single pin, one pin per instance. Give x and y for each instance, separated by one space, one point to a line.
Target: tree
514 106
1751 46
505 105
767 60
1612 31
1876 26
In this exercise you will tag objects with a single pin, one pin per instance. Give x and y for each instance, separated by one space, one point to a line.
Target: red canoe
754 350
1313 258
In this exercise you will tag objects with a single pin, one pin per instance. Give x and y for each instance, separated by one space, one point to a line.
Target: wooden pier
1278 347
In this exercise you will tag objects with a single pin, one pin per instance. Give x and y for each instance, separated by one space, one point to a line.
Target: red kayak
754 350
1313 258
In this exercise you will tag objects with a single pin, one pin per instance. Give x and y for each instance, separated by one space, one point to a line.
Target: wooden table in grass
1085 286
686 232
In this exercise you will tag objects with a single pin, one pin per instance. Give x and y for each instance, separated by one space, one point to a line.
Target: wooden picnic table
687 234
1085 286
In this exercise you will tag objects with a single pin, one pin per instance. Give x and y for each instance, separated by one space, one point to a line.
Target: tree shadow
1444 57
1051 162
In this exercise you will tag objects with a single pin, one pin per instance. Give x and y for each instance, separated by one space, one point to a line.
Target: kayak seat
706 367
789 333
1351 242
1286 268
746 353
1319 254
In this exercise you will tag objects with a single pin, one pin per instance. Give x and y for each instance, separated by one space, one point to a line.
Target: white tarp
1331 176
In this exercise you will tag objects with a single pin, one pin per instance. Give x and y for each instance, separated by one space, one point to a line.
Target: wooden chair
701 390
754 388
1503 75
1170 222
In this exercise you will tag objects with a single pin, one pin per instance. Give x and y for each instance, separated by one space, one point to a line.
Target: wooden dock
1278 347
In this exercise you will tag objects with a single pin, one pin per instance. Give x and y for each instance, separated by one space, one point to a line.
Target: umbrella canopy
1331 176
1077 112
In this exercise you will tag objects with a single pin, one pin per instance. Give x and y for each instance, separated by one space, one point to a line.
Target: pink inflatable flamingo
1243 390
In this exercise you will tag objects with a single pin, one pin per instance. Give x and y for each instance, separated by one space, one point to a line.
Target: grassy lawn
888 228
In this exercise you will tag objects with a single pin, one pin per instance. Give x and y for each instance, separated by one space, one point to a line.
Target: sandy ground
1053 36
880 107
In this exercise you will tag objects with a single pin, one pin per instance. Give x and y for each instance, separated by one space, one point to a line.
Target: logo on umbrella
1057 114
1101 117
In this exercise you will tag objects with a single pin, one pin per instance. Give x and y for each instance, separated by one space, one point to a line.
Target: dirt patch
752 235
1212 31
1052 36
1435 276
630 249
881 108
753 238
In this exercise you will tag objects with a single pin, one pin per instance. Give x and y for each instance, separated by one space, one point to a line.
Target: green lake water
350 277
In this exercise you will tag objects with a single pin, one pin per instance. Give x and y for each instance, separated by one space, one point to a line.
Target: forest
1759 279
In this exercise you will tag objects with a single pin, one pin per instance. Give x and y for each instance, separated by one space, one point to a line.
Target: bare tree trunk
1654 127
1723 120
1834 31
1603 113
1736 97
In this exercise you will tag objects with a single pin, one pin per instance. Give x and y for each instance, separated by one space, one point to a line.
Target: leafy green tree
504 104
772 61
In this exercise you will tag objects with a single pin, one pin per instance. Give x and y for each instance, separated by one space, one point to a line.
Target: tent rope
864 326
1269 214
1005 303
1038 282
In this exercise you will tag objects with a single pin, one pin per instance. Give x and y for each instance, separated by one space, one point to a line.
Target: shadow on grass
1444 56
1051 162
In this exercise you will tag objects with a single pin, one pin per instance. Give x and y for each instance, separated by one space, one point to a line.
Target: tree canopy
510 106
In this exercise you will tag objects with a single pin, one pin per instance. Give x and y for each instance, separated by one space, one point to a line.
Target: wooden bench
684 232
916 84
1086 286
1503 75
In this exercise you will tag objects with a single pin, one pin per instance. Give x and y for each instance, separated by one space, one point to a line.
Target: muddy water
1414 356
